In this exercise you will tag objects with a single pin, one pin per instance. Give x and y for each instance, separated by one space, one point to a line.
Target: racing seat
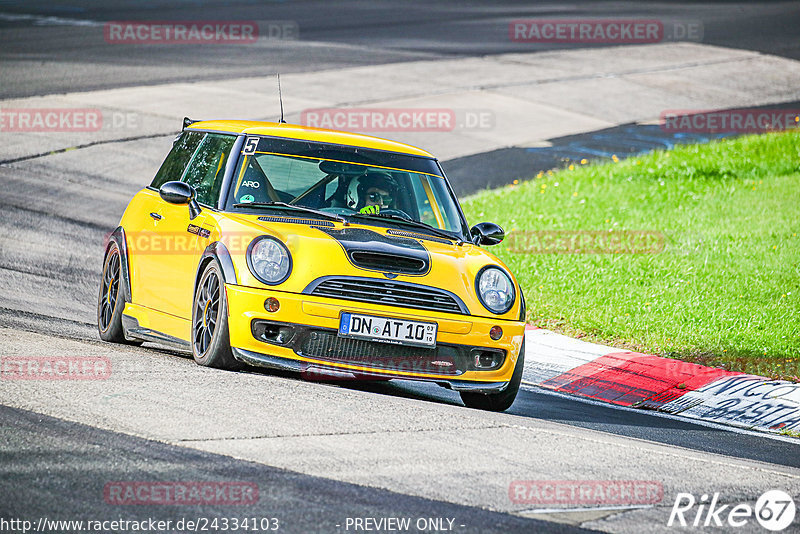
255 186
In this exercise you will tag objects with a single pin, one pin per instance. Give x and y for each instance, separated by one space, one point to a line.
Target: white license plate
387 329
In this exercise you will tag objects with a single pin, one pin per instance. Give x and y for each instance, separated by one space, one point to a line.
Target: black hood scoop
377 252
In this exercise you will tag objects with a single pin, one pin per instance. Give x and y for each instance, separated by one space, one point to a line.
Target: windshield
369 186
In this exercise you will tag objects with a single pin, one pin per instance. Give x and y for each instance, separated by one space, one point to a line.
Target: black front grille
378 261
376 291
326 345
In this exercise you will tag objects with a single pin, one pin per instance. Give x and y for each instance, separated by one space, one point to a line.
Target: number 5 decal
250 146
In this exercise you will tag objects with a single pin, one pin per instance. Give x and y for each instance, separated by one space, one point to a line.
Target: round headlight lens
269 260
496 290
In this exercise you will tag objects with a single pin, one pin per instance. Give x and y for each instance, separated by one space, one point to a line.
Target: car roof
307 133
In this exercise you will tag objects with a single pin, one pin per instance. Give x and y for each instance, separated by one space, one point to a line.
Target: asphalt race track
54 445
43 56
319 452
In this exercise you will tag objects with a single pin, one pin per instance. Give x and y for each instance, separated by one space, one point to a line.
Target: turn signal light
272 304
496 333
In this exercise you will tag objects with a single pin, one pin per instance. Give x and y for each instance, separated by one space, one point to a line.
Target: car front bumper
312 344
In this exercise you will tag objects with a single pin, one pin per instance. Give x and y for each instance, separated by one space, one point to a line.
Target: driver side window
207 167
175 163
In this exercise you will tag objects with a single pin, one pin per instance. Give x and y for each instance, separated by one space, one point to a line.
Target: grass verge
723 290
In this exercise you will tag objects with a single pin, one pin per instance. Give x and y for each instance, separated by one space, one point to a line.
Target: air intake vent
378 261
415 235
325 345
295 220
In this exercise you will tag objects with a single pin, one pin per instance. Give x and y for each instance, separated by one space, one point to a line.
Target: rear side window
177 159
207 167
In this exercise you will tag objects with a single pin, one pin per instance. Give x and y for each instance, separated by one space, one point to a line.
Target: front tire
211 346
110 300
498 402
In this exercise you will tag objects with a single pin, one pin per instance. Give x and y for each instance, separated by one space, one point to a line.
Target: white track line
40 20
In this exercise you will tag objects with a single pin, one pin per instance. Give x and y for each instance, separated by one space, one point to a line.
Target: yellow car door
173 241
166 275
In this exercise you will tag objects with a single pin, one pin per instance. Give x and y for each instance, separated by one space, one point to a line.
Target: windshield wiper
408 222
284 205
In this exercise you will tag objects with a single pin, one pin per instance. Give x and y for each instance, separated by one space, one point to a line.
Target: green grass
790 433
724 290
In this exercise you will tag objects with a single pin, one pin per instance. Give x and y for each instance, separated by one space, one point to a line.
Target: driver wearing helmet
372 191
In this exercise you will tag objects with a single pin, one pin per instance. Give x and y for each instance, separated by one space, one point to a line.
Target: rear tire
498 402
110 300
211 345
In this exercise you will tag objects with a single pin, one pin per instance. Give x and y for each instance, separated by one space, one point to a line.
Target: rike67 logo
774 510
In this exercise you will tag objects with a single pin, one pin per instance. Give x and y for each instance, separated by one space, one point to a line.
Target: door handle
155 215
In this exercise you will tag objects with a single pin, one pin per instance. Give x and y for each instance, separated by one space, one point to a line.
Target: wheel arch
118 237
219 252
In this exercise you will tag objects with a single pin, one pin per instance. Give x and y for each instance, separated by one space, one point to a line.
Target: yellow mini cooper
315 251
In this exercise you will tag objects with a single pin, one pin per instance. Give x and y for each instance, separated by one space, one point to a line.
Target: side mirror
180 193
486 233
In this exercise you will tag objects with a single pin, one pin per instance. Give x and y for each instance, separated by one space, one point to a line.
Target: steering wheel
398 213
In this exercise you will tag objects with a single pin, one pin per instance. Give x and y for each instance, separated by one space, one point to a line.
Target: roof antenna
280 98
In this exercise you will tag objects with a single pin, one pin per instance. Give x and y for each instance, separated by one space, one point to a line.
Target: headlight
269 260
495 290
